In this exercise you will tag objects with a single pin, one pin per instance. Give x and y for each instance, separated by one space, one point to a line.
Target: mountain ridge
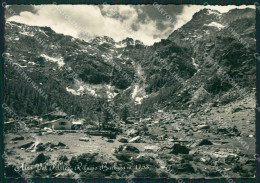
128 72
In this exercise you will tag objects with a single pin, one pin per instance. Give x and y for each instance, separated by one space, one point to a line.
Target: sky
140 22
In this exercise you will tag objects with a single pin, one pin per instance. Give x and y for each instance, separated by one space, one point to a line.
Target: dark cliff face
172 73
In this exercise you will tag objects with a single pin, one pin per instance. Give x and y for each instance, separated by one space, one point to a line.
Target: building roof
53 121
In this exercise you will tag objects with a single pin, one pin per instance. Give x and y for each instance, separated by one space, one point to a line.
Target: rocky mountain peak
102 40
129 42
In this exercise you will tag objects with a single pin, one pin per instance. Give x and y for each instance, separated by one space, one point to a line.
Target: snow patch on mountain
41 31
107 57
138 100
135 91
120 45
196 37
32 63
215 24
206 31
214 12
90 90
194 63
85 51
84 88
20 65
58 61
138 94
119 56
110 92
98 90
26 33
74 92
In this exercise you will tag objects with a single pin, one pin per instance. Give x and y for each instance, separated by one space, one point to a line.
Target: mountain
173 74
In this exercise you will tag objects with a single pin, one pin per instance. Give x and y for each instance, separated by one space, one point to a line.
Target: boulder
40 147
186 167
179 149
132 133
191 115
222 130
205 142
231 159
60 133
62 158
85 139
18 138
213 173
237 109
235 131
11 171
27 145
41 158
151 148
145 160
67 174
47 129
127 148
174 160
124 156
123 140
131 148
60 144
48 145
136 139
83 160
229 131
206 159
110 140
203 127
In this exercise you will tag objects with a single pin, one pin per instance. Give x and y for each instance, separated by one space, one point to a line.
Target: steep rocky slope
174 73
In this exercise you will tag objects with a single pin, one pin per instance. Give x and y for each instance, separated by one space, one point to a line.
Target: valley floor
215 142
